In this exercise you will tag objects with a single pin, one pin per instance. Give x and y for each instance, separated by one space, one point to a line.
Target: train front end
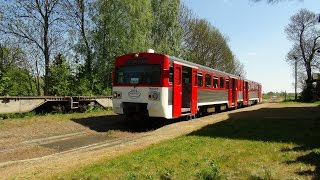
140 85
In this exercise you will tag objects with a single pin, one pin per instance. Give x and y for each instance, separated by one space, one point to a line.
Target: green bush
210 173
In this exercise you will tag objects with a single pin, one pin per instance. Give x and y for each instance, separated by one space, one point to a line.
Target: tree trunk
38 79
81 7
46 49
309 88
309 75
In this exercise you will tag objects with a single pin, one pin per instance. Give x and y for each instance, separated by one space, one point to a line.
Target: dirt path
49 148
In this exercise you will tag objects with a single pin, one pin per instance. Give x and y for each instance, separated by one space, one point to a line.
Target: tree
36 23
11 56
238 68
16 82
304 32
15 78
59 77
120 27
77 18
203 44
166 32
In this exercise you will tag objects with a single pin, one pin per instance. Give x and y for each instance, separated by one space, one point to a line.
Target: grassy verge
269 143
293 102
18 120
32 113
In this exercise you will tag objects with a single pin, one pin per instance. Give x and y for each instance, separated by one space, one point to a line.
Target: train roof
191 64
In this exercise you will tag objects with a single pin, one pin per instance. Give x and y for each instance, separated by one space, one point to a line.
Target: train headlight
117 95
154 96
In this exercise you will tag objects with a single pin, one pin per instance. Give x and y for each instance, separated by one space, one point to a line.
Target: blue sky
256 35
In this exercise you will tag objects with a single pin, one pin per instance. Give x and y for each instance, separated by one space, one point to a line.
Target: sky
256 35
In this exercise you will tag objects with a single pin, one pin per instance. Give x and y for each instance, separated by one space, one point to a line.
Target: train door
194 92
177 90
186 89
242 89
229 89
234 92
260 93
245 93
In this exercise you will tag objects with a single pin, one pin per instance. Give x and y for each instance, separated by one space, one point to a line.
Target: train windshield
138 74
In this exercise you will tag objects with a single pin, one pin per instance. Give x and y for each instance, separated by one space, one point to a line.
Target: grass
23 119
17 115
269 143
33 113
293 102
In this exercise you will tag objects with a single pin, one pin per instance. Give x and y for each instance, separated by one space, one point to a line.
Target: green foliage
121 27
59 77
205 45
16 82
100 31
307 94
17 115
166 174
166 32
210 173
15 79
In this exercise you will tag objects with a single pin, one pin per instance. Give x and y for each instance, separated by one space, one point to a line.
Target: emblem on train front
134 94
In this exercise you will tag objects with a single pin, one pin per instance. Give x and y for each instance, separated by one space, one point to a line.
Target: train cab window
208 80
200 80
147 74
215 82
221 82
227 83
170 74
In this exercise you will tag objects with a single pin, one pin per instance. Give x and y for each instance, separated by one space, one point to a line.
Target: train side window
227 83
200 80
208 80
170 74
215 82
221 82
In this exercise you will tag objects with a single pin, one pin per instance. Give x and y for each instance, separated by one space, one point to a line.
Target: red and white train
159 85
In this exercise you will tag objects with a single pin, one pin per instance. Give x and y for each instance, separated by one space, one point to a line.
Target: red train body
159 85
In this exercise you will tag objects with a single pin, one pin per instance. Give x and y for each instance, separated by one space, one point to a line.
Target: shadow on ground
117 122
298 125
